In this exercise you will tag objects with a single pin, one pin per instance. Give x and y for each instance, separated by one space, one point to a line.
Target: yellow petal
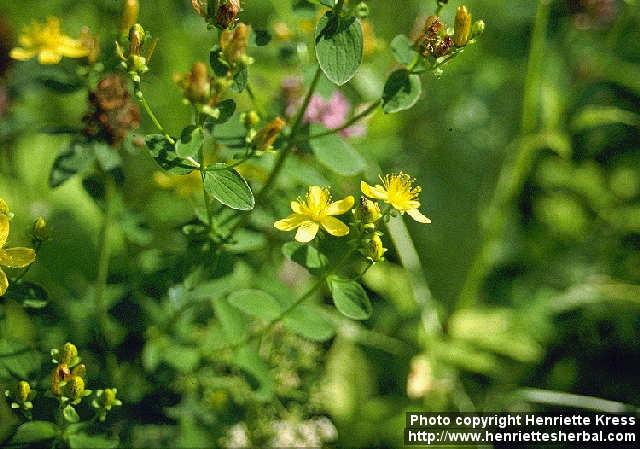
17 257
404 205
4 229
21 54
49 57
290 223
72 48
297 207
340 207
334 226
307 231
4 282
317 198
377 192
417 216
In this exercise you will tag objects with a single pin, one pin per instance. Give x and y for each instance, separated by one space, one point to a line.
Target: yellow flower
397 190
313 211
184 185
13 257
48 43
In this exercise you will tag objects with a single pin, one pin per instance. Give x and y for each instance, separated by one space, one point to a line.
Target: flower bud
478 28
130 11
227 13
362 10
74 388
267 136
200 7
136 39
462 27
79 370
250 119
4 208
234 44
22 391
367 211
68 353
59 374
40 231
198 84
374 249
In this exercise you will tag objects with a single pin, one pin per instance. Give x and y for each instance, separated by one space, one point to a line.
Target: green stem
516 167
260 332
104 251
282 155
534 68
152 115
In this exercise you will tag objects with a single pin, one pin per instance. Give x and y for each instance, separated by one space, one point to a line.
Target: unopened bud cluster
366 214
222 14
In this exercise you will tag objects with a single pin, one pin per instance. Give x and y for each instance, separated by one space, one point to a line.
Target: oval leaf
256 303
402 49
350 298
307 322
190 142
33 431
336 154
401 91
227 186
70 415
339 46
305 255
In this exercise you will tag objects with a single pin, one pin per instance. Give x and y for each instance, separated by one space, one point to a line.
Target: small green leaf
165 155
350 298
191 140
308 322
227 186
261 37
339 45
226 109
306 255
34 431
336 154
233 323
70 415
74 159
401 91
256 303
82 441
217 62
240 79
403 50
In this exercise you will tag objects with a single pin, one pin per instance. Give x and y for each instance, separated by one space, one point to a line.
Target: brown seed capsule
234 43
462 27
267 136
198 84
227 13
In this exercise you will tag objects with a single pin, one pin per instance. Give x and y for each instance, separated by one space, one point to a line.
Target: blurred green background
532 259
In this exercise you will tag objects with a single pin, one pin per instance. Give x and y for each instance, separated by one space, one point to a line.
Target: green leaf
34 431
350 298
83 441
165 155
261 37
309 322
226 109
75 159
232 321
594 116
255 303
401 91
336 154
191 140
402 49
250 361
227 186
306 255
240 79
339 46
217 62
107 156
70 415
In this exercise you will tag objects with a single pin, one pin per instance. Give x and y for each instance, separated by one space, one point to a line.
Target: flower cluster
10 257
317 211
21 397
436 41
222 14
